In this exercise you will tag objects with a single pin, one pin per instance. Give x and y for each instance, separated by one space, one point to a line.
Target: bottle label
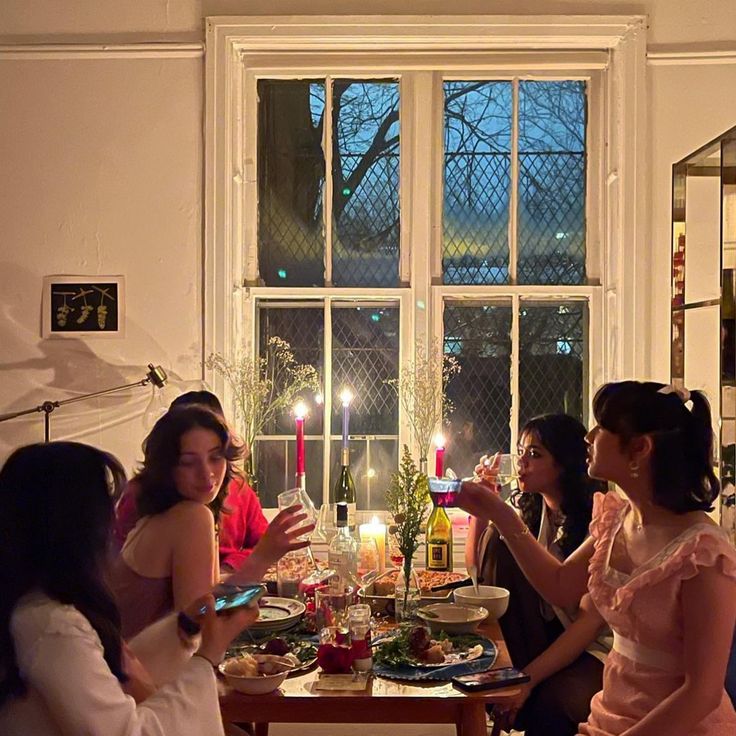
351 516
438 556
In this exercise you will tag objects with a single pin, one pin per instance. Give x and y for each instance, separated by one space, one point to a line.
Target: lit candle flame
439 440
300 410
374 521
346 396
319 399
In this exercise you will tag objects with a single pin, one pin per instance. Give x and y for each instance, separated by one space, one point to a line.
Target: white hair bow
681 391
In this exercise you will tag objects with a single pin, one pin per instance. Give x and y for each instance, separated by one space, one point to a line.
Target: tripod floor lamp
156 375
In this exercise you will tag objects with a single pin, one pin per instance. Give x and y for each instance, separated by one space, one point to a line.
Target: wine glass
394 550
295 496
326 528
508 469
367 557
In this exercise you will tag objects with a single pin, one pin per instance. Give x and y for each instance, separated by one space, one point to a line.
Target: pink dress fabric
644 608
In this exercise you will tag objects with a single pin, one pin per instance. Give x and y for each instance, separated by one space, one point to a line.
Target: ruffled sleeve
607 510
705 545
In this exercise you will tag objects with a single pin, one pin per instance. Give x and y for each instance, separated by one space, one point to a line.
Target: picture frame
83 306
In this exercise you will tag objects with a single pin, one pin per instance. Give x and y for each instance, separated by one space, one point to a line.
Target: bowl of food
452 618
257 674
495 600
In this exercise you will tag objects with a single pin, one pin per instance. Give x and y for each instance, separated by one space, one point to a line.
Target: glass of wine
508 469
394 551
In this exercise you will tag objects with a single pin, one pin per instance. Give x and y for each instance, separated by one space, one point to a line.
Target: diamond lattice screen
552 162
291 177
479 336
365 182
552 354
365 353
477 137
302 326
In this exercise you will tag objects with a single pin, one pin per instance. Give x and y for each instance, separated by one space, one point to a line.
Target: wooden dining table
383 701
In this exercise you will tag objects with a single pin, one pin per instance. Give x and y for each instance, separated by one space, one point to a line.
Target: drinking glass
367 557
298 496
394 550
326 528
508 469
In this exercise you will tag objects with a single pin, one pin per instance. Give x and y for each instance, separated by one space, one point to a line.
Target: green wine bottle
344 490
439 540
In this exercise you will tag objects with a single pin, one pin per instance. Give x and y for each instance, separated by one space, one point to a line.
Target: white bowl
451 617
257 685
494 600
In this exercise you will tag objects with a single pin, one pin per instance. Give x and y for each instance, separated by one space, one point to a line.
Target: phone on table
230 597
491 679
444 491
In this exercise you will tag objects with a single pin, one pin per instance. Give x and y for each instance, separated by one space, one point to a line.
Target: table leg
473 717
261 729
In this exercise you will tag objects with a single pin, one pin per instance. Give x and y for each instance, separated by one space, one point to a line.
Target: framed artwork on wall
83 306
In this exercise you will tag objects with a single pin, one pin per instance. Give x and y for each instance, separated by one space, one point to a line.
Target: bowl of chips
257 674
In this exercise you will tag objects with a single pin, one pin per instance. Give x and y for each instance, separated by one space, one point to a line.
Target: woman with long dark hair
659 571
63 663
170 558
554 500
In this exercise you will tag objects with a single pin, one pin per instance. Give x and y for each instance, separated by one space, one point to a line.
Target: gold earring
634 469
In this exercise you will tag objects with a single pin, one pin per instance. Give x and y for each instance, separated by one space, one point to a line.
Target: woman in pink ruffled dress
660 572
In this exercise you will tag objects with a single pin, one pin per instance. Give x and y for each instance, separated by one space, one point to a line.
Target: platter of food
301 652
413 647
380 592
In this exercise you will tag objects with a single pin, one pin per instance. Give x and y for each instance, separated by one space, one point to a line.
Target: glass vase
407 595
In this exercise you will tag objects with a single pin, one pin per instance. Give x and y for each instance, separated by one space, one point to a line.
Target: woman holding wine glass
170 558
554 500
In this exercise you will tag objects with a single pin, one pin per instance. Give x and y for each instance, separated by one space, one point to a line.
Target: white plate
278 613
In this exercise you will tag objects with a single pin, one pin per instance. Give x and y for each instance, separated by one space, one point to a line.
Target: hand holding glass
295 496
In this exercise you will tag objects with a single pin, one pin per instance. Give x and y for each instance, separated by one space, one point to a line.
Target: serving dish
452 618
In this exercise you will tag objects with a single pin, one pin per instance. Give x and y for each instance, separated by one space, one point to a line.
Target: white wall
102 174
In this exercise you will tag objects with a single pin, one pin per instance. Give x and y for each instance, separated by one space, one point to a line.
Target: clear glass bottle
344 490
342 555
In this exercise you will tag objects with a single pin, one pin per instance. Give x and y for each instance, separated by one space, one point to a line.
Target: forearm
558 583
566 648
252 570
678 714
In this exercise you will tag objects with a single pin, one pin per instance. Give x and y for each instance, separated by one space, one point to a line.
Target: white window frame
608 51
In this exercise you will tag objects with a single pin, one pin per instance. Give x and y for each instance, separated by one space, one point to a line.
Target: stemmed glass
367 559
326 528
295 496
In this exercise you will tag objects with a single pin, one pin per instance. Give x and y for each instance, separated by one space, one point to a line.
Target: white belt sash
644 655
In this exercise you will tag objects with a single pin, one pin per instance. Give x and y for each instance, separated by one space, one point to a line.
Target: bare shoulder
189 514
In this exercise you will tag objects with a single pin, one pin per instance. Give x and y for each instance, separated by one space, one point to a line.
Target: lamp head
156 375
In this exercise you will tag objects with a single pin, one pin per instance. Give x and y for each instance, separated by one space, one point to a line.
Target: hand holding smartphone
229 597
491 679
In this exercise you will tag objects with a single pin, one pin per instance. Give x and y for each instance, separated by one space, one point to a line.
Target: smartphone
229 597
491 679
444 491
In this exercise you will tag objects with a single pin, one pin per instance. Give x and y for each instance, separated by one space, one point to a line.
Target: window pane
276 468
372 462
365 170
365 353
302 326
552 353
477 182
479 336
291 176
552 119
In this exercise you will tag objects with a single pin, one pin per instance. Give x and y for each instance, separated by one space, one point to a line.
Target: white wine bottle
439 540
342 555
344 491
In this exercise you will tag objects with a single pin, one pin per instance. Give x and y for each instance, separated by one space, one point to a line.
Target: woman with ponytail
659 571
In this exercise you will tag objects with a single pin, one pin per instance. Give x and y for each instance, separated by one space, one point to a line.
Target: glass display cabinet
704 295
